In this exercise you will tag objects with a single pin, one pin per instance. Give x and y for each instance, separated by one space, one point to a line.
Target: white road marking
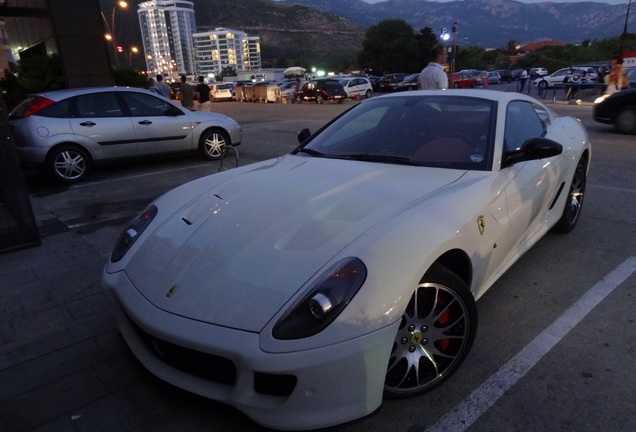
464 414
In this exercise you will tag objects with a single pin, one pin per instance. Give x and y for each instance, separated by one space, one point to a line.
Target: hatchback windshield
452 132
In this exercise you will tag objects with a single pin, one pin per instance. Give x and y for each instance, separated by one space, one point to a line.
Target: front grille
207 366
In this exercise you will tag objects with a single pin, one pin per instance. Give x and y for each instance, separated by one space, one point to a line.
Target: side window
96 105
522 123
145 105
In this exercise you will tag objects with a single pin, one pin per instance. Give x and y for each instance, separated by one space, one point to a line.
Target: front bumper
303 390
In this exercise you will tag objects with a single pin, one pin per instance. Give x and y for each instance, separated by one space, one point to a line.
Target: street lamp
110 36
133 50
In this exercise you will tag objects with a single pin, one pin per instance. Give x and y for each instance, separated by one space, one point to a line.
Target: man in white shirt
522 80
433 76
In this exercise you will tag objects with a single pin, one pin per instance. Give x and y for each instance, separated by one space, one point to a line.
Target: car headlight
601 98
329 295
132 233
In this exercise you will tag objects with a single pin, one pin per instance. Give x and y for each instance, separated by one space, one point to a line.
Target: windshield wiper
310 151
369 157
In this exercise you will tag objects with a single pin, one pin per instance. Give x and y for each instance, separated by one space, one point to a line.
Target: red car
462 80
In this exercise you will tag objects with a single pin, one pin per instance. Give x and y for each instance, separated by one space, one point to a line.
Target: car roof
57 95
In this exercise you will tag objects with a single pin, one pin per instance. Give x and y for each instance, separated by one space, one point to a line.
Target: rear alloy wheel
368 94
626 121
69 164
574 202
436 333
319 99
214 144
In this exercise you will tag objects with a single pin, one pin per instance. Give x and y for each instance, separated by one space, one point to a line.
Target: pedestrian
162 88
522 80
203 95
297 90
484 78
616 78
187 94
433 76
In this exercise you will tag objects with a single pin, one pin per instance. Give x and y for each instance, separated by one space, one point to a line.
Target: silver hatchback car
68 131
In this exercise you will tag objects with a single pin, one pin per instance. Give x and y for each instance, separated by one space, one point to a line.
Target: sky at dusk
609 2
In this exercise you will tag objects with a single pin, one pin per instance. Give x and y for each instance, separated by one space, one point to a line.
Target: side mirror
303 135
533 149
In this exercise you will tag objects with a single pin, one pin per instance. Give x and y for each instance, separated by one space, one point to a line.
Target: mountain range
490 23
294 32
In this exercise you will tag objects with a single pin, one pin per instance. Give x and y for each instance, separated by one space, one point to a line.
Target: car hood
234 255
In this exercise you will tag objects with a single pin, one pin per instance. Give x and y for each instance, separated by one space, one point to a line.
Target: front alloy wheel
214 144
435 335
626 121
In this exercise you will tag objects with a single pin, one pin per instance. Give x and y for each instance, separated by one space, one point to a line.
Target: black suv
321 90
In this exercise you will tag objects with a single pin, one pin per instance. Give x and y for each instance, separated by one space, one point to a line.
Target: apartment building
167 27
222 47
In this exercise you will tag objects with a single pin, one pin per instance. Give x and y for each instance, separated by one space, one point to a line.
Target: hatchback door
160 127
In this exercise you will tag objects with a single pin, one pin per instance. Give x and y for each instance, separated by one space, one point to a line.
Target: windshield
446 131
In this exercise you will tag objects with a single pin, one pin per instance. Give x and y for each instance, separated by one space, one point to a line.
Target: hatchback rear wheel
68 163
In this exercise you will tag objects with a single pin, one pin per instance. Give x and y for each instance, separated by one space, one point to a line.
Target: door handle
87 123
145 122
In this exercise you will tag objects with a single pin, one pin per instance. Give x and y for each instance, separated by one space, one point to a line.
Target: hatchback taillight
38 103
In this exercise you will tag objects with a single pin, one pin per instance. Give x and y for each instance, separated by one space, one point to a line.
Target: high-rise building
167 27
222 48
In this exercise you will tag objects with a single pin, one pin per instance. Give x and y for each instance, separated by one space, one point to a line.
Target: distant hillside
290 34
491 23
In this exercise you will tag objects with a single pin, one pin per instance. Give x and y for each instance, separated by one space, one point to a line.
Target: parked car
475 73
463 80
302 289
409 82
631 76
375 82
506 75
494 77
175 90
357 86
320 90
68 131
565 75
618 109
516 74
537 72
221 92
389 82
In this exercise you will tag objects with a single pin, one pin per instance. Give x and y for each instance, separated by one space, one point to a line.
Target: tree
227 71
426 39
510 48
390 46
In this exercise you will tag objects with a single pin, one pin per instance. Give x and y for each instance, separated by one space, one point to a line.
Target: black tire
574 201
69 163
626 121
456 85
368 94
213 144
436 333
319 99
543 85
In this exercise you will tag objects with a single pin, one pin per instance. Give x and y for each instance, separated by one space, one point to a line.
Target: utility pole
625 29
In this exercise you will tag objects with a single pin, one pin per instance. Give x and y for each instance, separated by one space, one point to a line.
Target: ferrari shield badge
481 225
